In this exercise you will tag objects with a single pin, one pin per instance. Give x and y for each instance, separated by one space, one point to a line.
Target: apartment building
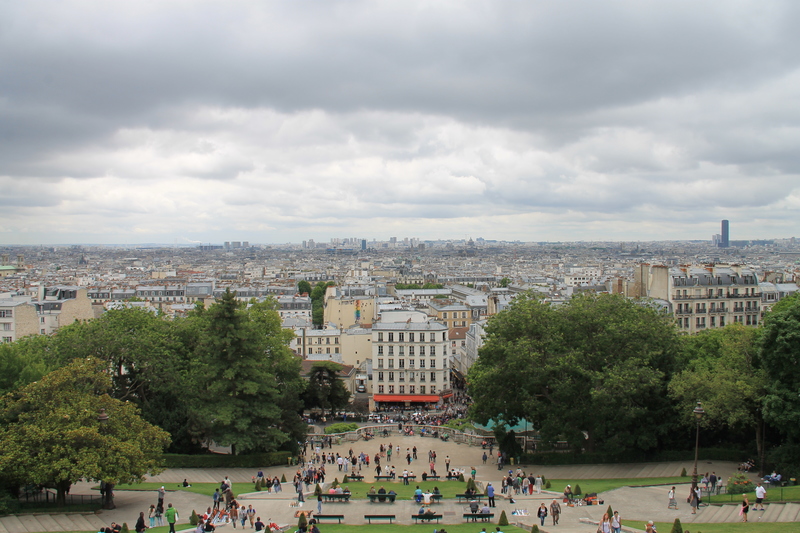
703 297
18 319
410 363
452 313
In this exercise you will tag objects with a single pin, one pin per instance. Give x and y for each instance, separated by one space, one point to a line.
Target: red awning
427 398
448 395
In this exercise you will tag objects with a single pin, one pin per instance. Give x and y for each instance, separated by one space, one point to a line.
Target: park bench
381 497
338 517
371 517
462 497
426 517
434 498
355 477
336 497
387 478
485 517
451 477
427 477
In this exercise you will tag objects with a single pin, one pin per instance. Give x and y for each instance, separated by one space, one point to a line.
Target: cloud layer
283 121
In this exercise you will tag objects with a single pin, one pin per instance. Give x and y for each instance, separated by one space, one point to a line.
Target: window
433 376
433 363
422 376
411 389
42 320
391 389
686 322
422 389
391 376
380 336
391 350
422 363
444 315
401 337
402 389
380 350
380 376
380 389
463 314
310 351
422 350
391 363
421 337
336 350
411 376
6 326
433 389
380 363
391 337
6 313
444 335
433 350
410 337
401 363
328 340
327 350
411 350
402 350
336 340
721 321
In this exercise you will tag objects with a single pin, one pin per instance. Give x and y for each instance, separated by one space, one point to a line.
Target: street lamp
698 413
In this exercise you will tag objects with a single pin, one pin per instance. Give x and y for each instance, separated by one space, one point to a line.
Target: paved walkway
648 503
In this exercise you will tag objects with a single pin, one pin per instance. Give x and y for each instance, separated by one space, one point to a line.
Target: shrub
471 485
739 483
125 528
213 460
335 482
610 511
283 478
317 490
548 485
534 529
341 427
8 504
683 472
503 521
577 491
302 523
258 484
676 526
461 478
194 519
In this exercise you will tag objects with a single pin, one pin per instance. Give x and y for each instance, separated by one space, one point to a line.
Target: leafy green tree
23 362
778 355
325 389
318 302
720 371
243 378
51 432
592 371
504 282
304 287
677 527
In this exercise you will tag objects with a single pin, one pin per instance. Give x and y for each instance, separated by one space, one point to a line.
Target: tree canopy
592 371
325 389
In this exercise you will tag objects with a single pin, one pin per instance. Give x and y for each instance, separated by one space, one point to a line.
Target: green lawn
776 494
198 488
603 485
749 527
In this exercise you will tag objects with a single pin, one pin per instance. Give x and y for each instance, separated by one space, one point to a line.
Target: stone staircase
31 523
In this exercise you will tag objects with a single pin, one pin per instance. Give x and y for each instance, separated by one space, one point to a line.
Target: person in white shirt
673 503
761 493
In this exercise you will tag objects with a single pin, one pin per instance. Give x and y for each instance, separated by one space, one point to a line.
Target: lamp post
698 413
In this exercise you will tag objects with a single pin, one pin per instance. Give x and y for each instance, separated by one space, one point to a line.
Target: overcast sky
131 122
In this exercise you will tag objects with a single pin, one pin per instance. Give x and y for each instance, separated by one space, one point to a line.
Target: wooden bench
338 517
452 478
476 497
381 498
355 477
387 478
485 517
435 498
371 517
426 517
336 497
431 477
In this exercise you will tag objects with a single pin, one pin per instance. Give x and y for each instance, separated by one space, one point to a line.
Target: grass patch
206 489
774 494
740 527
603 485
374 528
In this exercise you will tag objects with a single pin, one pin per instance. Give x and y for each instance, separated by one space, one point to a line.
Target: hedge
173 460
587 458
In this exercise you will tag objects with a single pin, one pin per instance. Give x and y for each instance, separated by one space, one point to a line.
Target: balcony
683 312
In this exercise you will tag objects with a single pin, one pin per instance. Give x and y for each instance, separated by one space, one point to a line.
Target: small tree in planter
534 528
578 491
683 472
283 478
346 479
258 484
194 519
125 528
610 511
503 521
461 477
317 490
676 526
471 485
302 523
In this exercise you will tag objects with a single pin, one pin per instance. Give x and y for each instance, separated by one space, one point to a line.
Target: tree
51 432
23 362
243 379
304 287
504 282
318 302
592 371
720 371
676 526
325 389
779 356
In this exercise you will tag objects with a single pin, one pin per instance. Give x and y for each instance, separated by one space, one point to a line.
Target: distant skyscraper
725 240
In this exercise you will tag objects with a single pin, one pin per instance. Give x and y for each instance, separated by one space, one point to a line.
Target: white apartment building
410 363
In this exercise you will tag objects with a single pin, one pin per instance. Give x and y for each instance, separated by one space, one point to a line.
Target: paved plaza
639 503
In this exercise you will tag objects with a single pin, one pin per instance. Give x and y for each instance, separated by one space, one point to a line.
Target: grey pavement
640 503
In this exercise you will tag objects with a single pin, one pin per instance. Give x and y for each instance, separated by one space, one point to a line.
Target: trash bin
512 460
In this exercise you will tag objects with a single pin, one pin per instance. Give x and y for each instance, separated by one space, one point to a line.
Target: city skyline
281 122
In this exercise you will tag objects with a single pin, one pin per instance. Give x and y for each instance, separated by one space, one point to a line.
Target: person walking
171 515
216 497
555 511
160 514
616 523
319 503
140 527
605 524
693 501
745 508
490 494
673 503
538 483
761 493
542 513
152 515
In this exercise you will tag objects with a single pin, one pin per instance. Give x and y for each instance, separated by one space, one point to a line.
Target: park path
640 503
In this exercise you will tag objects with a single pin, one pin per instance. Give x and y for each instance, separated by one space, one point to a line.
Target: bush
194 519
683 472
345 479
534 528
8 504
341 427
676 526
548 485
461 478
335 482
610 511
503 521
634 456
471 485
739 483
213 460
283 478
317 490
125 528
302 523
577 491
